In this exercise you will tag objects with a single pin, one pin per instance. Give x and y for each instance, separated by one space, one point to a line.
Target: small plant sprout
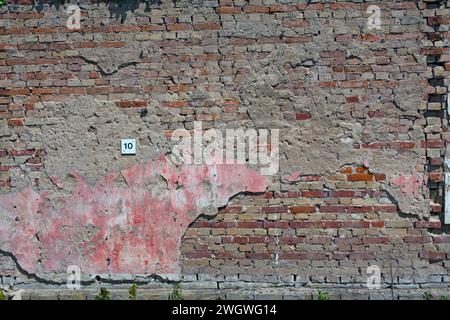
2 294
322 295
176 294
132 291
103 295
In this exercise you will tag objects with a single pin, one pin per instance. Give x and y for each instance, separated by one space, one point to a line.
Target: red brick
224 224
3 184
228 10
46 30
311 6
179 27
417 239
180 88
332 209
402 145
44 91
72 90
376 114
346 170
6 168
360 177
15 92
318 240
226 255
175 104
303 209
261 239
249 224
436 176
258 256
303 116
375 240
201 224
343 6
17 31
235 240
121 28
314 194
99 90
18 153
282 8
241 41
132 104
361 256
377 224
434 256
209 57
291 240
353 99
385 208
290 256
276 224
343 193
256 9
274 209
428 224
231 209
328 84
45 61
359 209
152 28
360 169
441 239
112 44
15 122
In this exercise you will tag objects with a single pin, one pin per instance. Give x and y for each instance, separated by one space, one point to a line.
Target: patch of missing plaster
336 131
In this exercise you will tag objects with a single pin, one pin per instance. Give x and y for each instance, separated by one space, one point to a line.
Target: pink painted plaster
409 185
117 227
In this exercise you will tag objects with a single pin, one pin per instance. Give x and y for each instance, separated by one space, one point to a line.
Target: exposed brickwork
362 157
436 114
312 236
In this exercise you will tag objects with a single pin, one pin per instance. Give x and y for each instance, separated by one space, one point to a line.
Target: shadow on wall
118 8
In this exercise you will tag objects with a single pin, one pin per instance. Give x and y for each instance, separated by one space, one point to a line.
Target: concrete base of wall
255 294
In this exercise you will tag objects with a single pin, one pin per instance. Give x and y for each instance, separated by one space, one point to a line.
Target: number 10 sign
128 146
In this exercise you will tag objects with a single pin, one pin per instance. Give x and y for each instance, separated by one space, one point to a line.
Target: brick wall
362 116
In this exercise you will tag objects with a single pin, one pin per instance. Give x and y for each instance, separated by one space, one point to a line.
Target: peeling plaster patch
409 185
293 178
111 229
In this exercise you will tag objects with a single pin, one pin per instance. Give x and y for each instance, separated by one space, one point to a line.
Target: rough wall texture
363 131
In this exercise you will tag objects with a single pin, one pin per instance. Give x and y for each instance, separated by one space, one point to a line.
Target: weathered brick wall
361 114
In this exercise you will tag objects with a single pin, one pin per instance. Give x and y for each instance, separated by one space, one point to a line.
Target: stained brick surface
362 115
